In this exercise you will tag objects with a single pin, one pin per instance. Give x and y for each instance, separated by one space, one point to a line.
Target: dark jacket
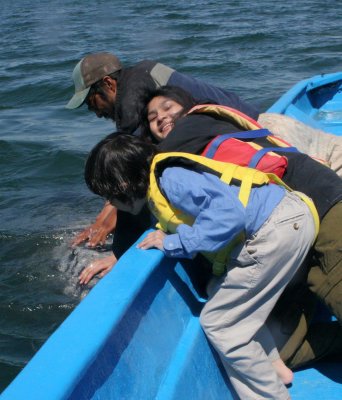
134 82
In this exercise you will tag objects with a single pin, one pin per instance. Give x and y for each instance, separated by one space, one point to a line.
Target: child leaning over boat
267 231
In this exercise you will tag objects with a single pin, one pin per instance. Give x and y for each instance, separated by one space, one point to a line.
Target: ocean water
257 49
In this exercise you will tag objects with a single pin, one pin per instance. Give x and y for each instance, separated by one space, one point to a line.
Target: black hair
118 168
174 93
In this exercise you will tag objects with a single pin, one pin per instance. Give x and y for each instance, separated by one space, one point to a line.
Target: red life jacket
230 148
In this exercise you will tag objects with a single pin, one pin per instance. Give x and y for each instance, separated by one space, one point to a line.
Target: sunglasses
91 99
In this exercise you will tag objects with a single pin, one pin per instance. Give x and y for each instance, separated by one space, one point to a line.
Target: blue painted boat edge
61 362
289 97
322 381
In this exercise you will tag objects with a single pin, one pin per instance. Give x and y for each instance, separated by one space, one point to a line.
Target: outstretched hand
153 239
96 234
99 267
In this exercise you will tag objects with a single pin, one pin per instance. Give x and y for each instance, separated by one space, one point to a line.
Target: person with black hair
278 227
167 123
192 131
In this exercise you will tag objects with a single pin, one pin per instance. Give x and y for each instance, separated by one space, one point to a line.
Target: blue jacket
219 214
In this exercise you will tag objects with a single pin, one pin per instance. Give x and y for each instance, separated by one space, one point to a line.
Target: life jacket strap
246 186
228 173
219 264
258 133
260 153
222 257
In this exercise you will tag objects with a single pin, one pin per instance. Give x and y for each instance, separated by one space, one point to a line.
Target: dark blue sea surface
257 48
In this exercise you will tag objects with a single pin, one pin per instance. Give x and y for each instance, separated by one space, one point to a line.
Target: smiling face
161 114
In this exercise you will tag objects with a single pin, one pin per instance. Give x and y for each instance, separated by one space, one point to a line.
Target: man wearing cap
115 92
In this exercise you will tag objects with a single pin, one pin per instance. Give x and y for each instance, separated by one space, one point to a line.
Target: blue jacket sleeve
219 215
204 91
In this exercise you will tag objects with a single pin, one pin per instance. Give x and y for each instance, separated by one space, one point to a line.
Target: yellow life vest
170 217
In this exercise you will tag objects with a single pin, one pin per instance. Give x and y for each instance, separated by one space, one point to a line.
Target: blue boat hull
137 334
316 102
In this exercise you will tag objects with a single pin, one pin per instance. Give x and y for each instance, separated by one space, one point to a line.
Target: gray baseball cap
90 70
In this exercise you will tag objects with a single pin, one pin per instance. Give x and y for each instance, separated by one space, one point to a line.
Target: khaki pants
240 302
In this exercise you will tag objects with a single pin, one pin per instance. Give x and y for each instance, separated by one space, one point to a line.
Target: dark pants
299 338
323 340
294 312
325 275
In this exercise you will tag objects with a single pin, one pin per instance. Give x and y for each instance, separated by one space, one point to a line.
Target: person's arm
219 215
129 228
97 232
203 91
